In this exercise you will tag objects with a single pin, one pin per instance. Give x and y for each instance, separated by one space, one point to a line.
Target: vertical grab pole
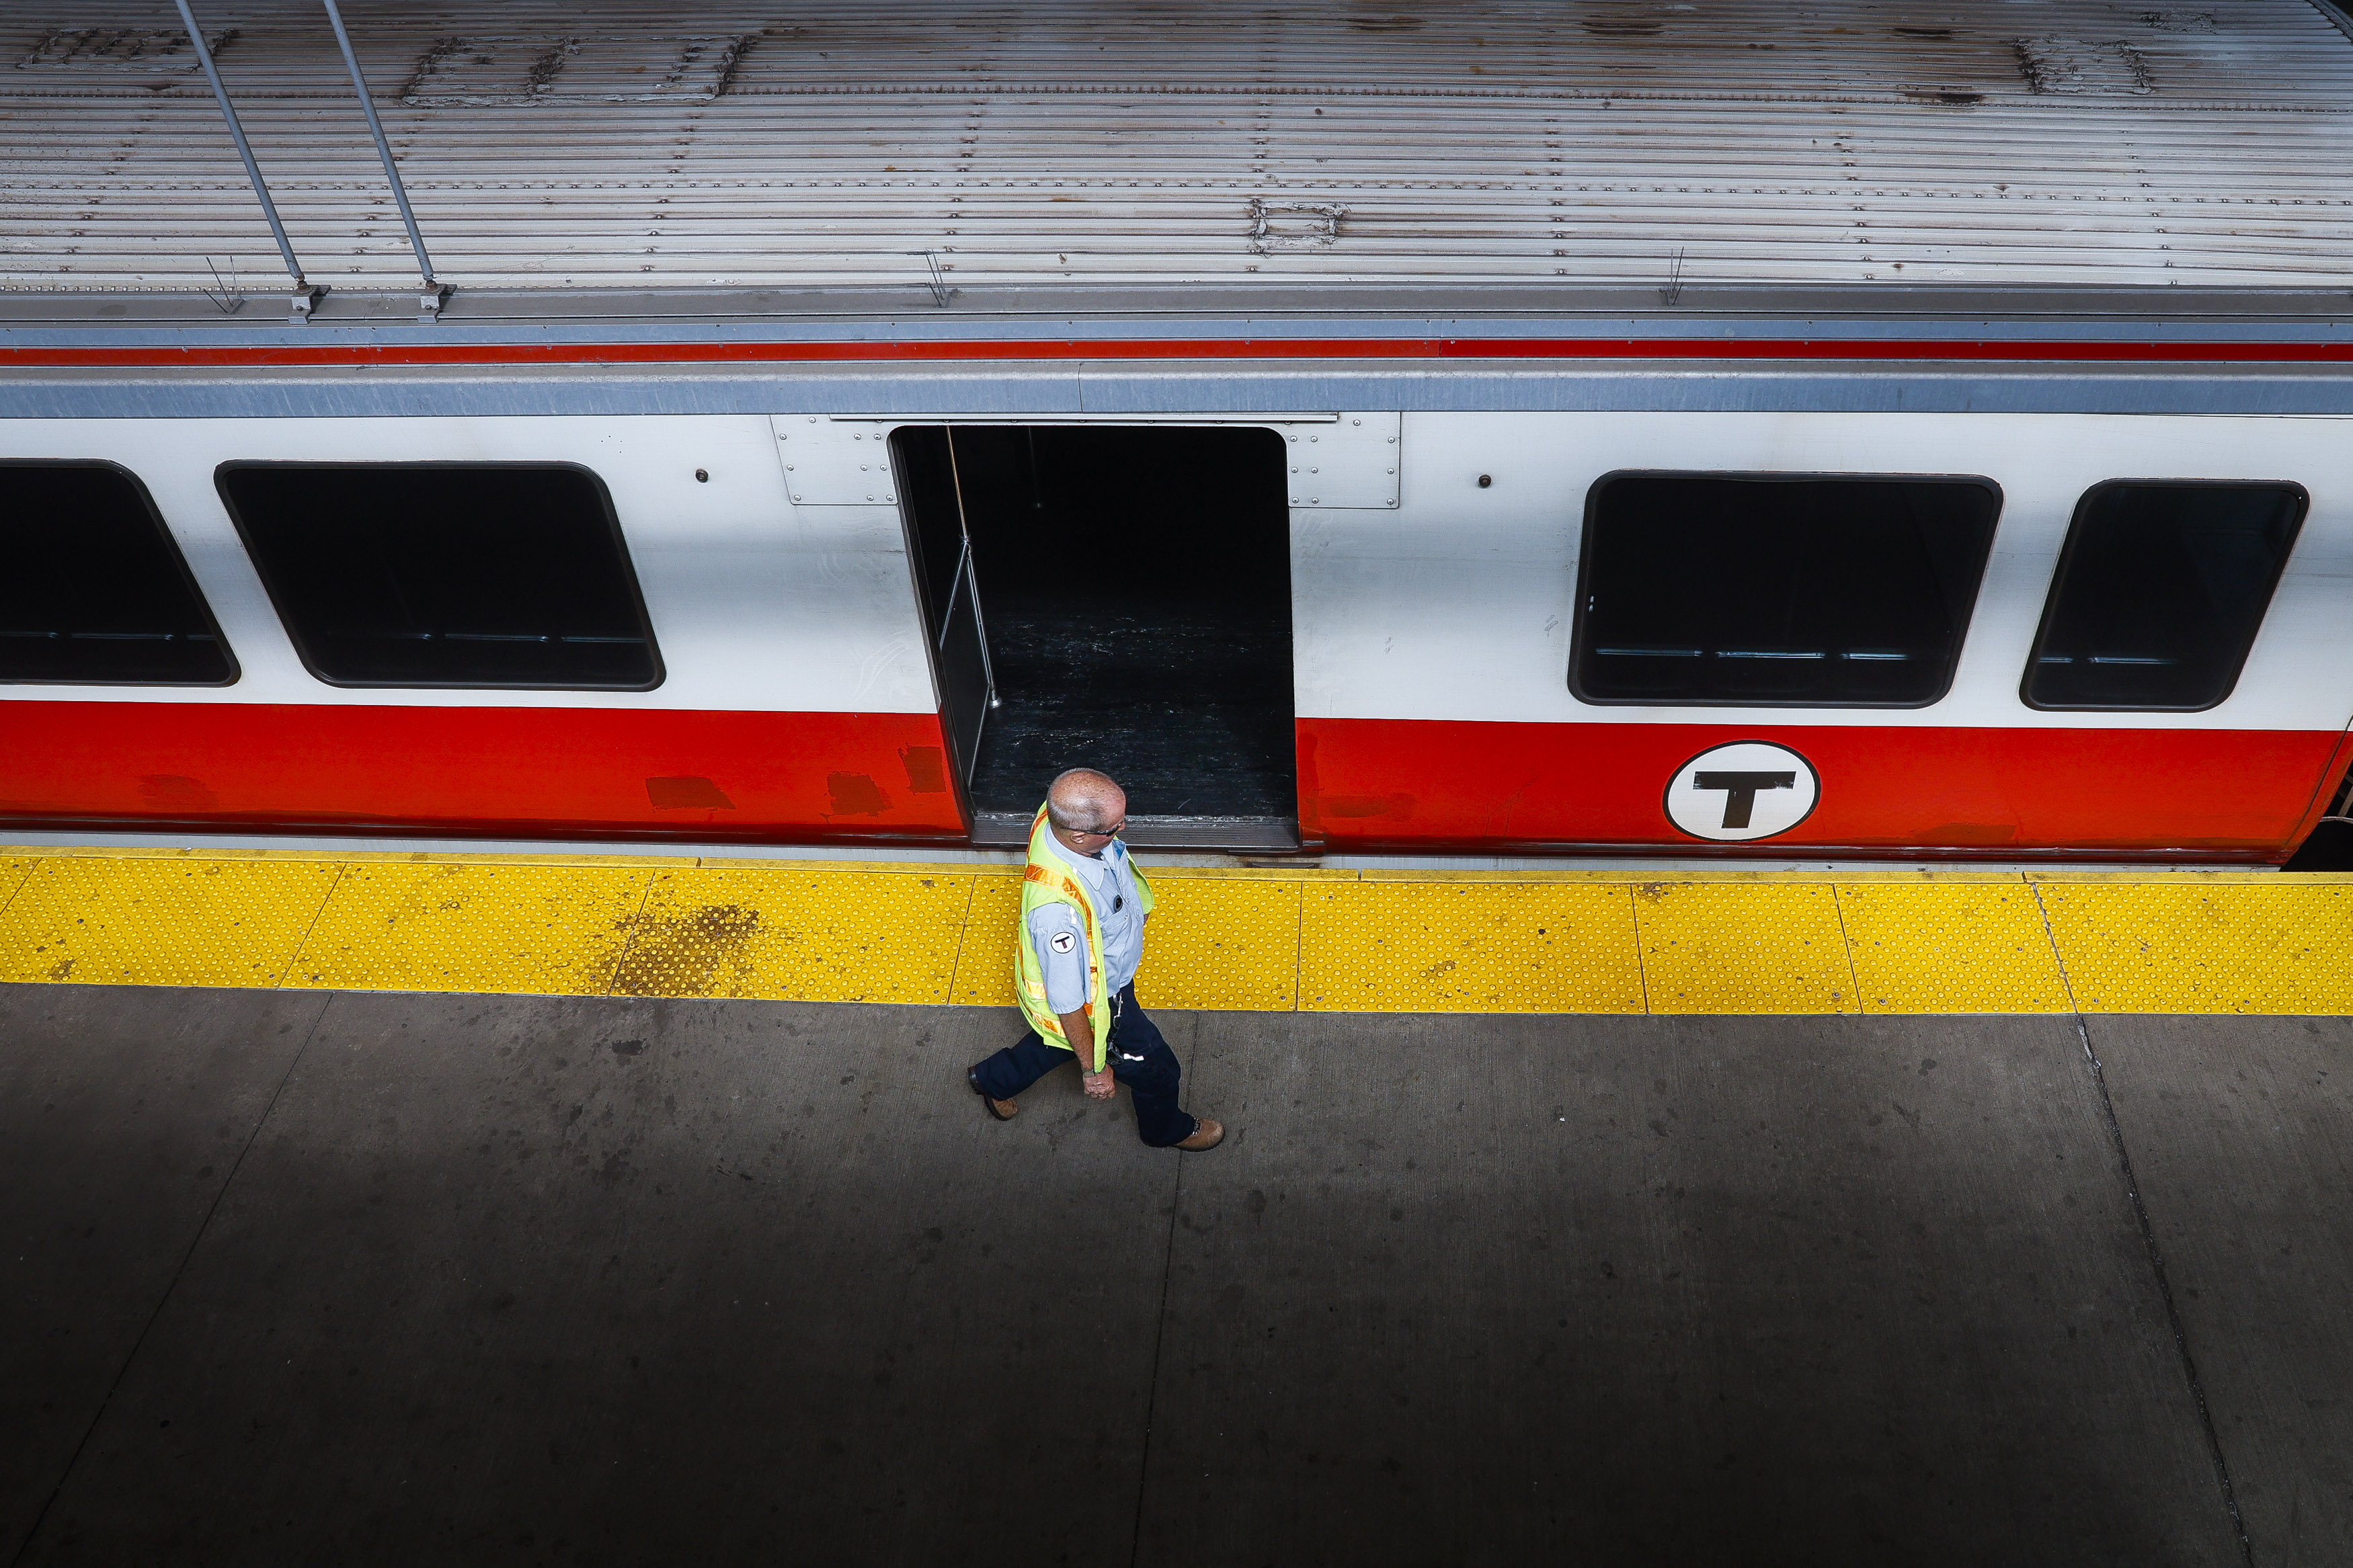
436 291
967 567
306 293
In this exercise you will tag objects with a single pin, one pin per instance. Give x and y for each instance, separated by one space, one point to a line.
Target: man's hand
1079 1029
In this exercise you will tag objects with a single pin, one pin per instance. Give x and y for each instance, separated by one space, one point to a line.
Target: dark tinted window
1799 592
91 587
447 574
2159 592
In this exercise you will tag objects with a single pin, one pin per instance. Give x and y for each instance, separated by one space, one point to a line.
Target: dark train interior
1133 586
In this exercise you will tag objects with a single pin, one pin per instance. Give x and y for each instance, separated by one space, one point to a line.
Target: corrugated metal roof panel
2065 142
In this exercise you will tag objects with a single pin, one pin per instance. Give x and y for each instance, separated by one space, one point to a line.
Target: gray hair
1080 801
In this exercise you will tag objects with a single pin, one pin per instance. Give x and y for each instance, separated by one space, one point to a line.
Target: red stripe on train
2240 794
622 772
1407 784
1151 348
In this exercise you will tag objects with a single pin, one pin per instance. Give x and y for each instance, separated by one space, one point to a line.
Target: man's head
1088 803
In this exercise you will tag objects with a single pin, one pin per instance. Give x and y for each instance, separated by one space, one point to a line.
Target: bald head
1084 800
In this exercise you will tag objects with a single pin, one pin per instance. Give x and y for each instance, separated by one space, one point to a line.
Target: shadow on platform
393 1278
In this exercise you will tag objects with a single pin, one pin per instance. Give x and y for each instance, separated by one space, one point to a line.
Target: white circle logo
1750 789
1064 942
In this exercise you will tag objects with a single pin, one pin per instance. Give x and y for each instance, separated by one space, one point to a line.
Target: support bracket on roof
436 293
306 293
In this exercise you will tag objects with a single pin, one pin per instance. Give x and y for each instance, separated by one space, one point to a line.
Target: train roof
1189 154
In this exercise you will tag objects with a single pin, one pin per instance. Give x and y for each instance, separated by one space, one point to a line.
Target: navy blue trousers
1139 1058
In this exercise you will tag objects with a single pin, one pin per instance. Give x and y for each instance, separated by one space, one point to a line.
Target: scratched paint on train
778 777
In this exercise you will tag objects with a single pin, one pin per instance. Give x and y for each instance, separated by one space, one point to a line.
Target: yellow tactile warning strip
1468 947
1922 939
161 922
1949 947
2161 947
1743 947
806 935
460 927
1216 942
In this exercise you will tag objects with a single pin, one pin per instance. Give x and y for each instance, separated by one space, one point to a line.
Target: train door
1115 597
939 544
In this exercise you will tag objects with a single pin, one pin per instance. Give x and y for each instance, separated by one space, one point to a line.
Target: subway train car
1618 429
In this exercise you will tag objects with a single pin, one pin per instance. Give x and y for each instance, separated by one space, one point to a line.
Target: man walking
1082 909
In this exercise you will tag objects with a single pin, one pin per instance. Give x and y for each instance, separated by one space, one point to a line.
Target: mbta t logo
1750 789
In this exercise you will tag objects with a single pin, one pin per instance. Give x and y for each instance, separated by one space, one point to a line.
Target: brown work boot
1207 1135
1003 1109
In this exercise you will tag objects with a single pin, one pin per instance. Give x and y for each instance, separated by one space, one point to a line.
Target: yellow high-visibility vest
1048 881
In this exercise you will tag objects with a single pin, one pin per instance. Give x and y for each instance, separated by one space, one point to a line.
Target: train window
94 591
446 574
1801 591
2158 593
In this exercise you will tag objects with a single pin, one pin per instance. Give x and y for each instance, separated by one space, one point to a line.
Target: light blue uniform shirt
1059 938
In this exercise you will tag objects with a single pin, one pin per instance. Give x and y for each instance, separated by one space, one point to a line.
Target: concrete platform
2241 1139
314 1277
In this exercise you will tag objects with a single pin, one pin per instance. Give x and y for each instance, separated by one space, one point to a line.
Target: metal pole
966 566
382 148
237 135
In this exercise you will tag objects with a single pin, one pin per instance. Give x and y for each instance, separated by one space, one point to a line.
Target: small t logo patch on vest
1063 941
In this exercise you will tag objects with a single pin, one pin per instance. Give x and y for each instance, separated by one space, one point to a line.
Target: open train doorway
1115 597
